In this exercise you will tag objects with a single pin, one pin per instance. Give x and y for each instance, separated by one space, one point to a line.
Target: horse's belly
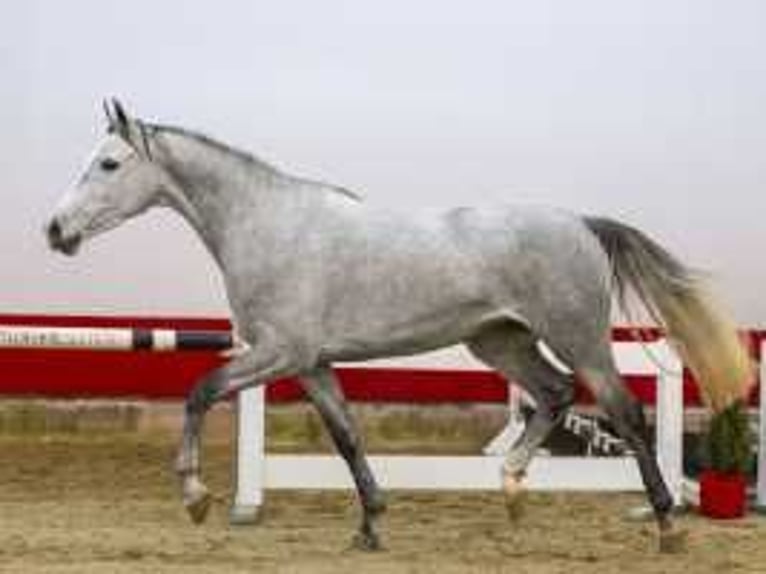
420 333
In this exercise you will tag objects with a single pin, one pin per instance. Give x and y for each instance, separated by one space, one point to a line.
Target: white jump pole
112 339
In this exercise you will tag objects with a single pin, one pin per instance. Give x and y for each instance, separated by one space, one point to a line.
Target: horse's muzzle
58 241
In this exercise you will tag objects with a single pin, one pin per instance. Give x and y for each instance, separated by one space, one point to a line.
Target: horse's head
120 182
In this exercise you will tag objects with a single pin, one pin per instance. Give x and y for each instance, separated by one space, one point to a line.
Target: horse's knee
203 396
625 409
637 420
558 397
563 400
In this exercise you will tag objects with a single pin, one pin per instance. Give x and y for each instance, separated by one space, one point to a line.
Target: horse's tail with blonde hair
703 335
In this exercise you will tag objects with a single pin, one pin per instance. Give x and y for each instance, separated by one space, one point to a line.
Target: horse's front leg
251 367
326 394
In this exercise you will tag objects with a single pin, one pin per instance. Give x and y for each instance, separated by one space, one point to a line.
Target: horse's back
527 240
521 251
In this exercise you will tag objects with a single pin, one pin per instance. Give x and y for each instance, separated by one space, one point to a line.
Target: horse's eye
109 164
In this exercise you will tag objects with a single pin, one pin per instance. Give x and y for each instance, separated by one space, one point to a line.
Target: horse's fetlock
377 504
184 469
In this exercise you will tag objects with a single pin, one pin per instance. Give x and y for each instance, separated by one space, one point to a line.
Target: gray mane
213 143
244 156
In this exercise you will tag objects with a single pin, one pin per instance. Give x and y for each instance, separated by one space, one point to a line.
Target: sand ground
74 504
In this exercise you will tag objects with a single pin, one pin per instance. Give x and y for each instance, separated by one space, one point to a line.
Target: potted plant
723 485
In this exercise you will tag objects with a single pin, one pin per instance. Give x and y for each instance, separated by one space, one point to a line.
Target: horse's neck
215 187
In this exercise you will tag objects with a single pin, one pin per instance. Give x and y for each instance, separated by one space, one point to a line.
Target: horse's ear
121 121
109 116
132 131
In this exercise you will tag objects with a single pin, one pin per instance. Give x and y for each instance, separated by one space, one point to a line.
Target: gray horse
314 276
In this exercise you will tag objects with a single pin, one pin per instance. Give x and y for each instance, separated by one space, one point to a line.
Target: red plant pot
723 495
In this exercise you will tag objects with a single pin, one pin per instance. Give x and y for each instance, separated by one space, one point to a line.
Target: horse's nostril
54 232
58 240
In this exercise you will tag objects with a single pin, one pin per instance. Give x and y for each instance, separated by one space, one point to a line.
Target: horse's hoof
199 506
673 541
516 506
515 498
366 542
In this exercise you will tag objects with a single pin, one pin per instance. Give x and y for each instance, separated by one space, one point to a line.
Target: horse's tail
701 332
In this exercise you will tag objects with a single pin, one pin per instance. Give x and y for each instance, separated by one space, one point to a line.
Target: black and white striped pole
113 339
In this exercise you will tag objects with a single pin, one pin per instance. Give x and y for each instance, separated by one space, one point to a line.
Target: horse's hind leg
325 393
512 350
627 416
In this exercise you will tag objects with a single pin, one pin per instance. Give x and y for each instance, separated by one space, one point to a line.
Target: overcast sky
649 111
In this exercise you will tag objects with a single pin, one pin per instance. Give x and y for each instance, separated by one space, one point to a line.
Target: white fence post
249 456
669 423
